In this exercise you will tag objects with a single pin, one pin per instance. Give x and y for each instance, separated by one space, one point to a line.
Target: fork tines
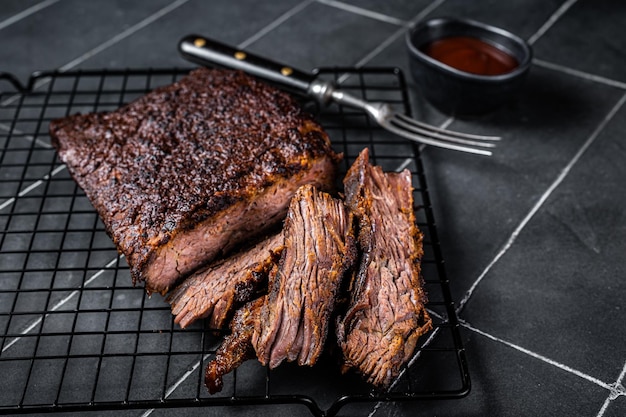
436 136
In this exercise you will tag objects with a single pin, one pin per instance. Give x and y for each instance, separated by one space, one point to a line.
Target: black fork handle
204 51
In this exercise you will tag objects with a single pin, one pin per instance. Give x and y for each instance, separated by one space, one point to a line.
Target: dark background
534 237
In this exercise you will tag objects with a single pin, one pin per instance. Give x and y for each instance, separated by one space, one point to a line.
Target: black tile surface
480 202
156 45
559 295
616 408
12 9
395 54
533 237
507 382
399 9
521 17
322 35
588 39
66 30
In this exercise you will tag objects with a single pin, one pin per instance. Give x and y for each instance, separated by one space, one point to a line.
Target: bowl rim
438 21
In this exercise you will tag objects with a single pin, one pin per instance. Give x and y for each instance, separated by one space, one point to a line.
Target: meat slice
187 172
215 290
319 249
386 314
291 322
236 348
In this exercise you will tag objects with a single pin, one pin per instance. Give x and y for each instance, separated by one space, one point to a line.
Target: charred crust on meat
302 295
235 348
378 333
215 291
172 161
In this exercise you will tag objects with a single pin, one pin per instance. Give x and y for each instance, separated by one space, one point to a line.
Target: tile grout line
374 52
179 381
152 18
277 22
619 390
443 125
377 50
62 302
107 44
384 44
37 183
99 49
404 164
408 365
542 30
564 172
567 70
363 12
542 358
25 136
422 146
363 61
551 21
615 389
32 186
15 96
112 41
580 74
123 35
27 12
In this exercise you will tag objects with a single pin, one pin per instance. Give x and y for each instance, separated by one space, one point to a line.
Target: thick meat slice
236 347
319 248
187 172
386 314
215 290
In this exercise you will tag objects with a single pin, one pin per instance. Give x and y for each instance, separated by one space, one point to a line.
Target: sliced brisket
386 315
187 172
214 291
319 248
292 321
236 347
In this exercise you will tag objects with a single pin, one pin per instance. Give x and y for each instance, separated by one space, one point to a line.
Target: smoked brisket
187 172
215 290
386 315
292 321
236 348
319 249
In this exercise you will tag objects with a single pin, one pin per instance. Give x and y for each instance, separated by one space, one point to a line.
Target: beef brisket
236 347
292 321
319 248
187 172
386 314
215 290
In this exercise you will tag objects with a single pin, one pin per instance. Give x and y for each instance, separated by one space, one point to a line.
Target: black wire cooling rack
77 336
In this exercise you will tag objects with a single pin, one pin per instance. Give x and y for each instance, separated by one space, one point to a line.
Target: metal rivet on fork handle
213 52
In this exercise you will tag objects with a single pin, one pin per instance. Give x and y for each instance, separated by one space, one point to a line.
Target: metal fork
205 51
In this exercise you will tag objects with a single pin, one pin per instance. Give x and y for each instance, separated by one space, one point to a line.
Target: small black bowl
457 92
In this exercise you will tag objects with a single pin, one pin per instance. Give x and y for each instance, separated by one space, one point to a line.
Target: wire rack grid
75 335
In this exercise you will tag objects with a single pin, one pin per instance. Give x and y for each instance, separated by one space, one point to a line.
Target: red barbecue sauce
471 55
